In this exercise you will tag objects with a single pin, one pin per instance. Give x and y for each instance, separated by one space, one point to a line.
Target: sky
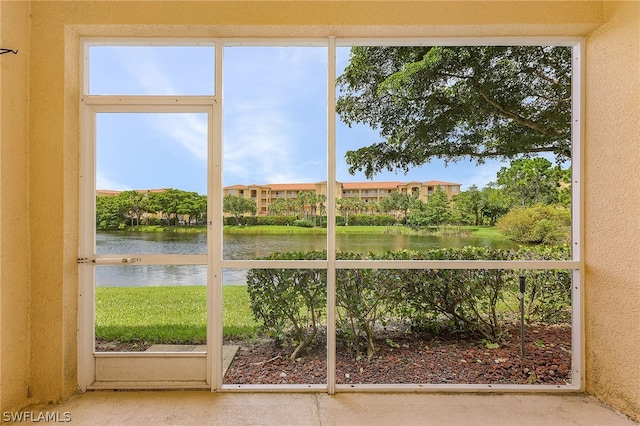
274 120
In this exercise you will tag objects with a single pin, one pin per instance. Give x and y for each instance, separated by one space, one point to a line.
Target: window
364 296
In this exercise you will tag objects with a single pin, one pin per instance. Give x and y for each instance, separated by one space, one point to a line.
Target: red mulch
417 359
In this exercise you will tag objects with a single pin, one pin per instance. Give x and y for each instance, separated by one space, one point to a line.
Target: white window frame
216 264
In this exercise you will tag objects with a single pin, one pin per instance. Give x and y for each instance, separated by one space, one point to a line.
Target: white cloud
482 174
188 130
145 69
270 96
258 146
106 182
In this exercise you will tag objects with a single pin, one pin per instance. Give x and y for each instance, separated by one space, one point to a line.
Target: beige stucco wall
612 204
50 41
14 231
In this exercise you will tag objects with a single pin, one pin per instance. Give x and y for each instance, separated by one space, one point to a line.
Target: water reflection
243 247
151 242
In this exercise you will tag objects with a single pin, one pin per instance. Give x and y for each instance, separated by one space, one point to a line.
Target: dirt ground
417 358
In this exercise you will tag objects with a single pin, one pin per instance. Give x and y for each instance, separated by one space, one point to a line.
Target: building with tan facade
369 192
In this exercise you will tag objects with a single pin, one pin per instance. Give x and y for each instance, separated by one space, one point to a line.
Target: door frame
136 370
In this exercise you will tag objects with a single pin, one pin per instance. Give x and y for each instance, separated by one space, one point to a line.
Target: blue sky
274 120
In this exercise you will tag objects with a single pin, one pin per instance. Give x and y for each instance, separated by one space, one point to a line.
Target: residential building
369 192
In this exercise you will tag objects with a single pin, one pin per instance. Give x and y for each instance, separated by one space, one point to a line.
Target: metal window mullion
456 264
331 216
86 248
274 264
214 230
577 209
149 259
148 101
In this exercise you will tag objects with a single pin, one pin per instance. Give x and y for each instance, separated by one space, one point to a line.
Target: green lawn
475 231
168 314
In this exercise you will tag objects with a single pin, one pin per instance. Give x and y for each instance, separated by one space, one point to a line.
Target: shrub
290 303
384 220
363 298
547 292
361 220
276 220
462 299
540 224
303 223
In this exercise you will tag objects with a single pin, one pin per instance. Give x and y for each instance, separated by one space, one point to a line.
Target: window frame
217 264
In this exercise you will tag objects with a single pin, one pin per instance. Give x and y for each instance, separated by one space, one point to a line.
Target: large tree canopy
452 103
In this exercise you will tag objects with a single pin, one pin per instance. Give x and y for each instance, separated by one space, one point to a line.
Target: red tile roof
439 182
112 192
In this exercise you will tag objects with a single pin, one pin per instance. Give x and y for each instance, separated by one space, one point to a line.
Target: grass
168 314
272 229
474 231
159 228
485 232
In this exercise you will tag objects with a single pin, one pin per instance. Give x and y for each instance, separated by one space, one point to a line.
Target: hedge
291 303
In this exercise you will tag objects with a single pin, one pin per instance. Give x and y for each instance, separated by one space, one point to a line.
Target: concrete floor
206 408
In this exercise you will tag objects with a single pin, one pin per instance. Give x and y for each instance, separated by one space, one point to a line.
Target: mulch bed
417 358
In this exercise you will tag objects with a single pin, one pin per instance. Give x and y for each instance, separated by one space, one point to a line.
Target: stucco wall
53 139
612 203
14 231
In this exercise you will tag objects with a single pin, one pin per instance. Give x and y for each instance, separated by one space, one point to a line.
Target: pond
243 247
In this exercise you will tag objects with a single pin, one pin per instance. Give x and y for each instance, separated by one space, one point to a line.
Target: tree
166 203
317 203
279 207
193 205
236 206
495 204
306 199
460 102
468 206
109 212
350 205
396 201
134 204
530 181
434 212
437 208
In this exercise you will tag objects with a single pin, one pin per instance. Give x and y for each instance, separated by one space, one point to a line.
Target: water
243 247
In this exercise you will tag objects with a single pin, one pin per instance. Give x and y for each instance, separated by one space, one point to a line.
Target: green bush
547 292
361 220
384 220
371 220
276 220
291 302
540 224
364 297
461 299
303 223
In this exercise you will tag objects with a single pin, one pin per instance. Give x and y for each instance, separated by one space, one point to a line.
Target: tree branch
512 115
